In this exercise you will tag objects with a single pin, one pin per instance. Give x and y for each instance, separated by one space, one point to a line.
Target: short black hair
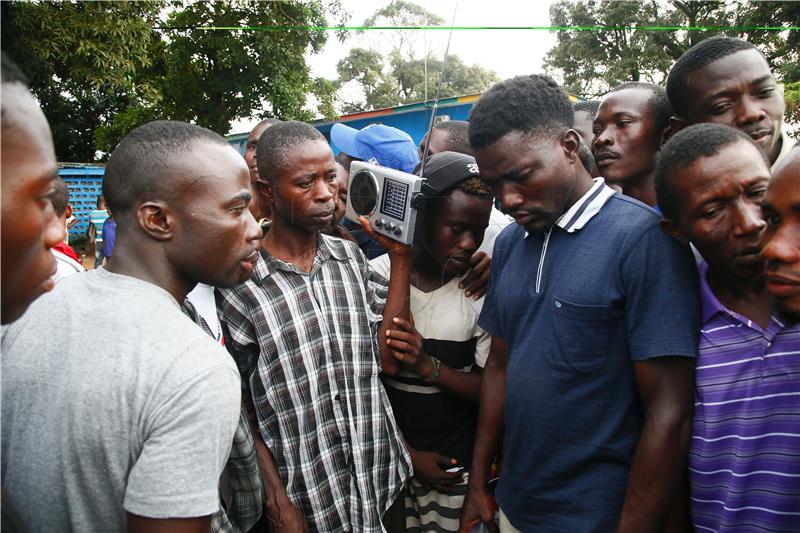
695 58
60 196
458 131
136 170
587 106
474 186
659 103
686 147
345 160
268 120
276 142
530 104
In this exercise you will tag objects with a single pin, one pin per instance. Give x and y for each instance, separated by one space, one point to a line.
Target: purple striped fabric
744 463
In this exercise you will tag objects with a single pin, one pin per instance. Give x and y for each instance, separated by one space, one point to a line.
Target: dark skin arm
283 514
406 344
398 298
478 505
679 519
477 279
665 386
141 524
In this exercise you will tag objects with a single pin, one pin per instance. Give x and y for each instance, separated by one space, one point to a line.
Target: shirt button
338 397
558 304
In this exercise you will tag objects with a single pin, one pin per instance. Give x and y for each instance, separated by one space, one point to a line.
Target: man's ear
672 229
676 124
155 219
666 133
264 191
571 141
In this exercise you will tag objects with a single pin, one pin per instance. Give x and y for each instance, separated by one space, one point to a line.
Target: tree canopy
392 72
592 62
100 69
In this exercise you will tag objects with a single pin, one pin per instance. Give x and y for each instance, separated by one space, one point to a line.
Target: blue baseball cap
390 147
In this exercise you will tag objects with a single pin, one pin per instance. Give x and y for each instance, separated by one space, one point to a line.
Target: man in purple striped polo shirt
744 462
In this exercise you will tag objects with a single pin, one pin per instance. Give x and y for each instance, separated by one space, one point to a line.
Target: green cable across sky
547 28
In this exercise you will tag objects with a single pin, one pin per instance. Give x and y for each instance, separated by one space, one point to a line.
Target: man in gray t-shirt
141 423
132 431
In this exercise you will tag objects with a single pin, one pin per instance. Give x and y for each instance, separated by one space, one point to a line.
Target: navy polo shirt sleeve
662 292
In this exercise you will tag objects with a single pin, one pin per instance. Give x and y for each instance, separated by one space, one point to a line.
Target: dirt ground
85 252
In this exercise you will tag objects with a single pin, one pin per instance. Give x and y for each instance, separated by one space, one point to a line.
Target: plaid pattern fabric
244 477
306 343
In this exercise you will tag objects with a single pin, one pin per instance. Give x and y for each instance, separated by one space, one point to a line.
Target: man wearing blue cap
384 145
388 147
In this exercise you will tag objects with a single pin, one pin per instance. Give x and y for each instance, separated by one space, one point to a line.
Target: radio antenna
429 131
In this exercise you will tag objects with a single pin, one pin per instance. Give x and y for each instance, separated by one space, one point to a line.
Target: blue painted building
85 183
414 119
85 180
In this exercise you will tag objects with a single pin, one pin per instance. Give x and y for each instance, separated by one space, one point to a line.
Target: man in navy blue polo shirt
593 311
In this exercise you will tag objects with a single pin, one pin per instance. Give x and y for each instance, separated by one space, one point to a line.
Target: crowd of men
623 356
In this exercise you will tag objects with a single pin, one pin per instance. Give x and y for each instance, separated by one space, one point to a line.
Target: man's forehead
716 75
788 171
256 132
22 116
27 146
309 149
632 99
207 158
711 173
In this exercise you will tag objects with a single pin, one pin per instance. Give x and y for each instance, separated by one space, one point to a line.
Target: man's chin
537 226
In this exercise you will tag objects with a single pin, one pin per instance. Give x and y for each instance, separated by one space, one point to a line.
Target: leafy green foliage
396 76
83 63
100 69
399 81
213 77
592 62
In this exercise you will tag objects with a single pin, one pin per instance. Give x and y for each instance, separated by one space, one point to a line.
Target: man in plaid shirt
309 337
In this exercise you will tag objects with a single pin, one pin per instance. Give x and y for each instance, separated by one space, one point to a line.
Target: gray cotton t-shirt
113 401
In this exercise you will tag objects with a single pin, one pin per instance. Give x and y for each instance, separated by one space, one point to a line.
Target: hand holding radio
393 247
389 199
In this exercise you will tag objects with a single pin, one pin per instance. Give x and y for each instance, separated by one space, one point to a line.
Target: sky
507 52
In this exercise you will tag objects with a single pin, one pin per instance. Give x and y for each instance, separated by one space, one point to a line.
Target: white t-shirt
66 266
497 221
445 313
430 418
112 401
202 298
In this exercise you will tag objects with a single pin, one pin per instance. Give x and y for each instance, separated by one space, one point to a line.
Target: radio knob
389 226
379 223
398 230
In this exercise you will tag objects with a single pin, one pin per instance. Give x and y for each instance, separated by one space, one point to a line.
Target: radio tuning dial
389 226
379 223
398 230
